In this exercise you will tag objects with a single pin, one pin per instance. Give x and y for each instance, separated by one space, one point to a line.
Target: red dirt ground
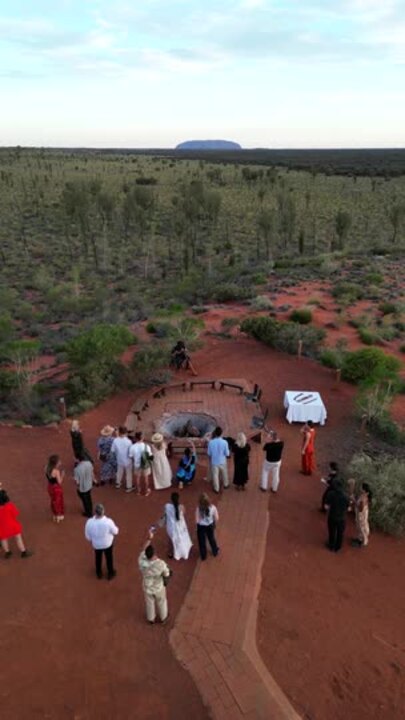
331 628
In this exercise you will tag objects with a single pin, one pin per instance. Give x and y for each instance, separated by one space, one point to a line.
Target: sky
152 73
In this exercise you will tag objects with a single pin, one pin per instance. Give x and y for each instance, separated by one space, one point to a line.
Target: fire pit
187 424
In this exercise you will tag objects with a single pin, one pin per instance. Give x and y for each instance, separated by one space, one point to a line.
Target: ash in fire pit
188 424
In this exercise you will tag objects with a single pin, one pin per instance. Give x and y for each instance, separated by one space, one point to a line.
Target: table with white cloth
304 405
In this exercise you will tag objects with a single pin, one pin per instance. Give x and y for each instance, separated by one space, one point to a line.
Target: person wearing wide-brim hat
107 459
161 470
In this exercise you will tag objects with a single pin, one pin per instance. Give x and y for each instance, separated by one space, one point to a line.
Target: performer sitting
180 358
187 466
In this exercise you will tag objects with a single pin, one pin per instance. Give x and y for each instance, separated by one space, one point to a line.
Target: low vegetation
386 477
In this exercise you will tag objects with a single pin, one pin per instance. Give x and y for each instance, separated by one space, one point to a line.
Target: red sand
331 628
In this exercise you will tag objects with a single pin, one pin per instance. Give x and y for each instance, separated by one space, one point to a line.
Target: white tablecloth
303 405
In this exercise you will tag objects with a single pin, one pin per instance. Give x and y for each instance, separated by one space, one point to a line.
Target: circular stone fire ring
187 424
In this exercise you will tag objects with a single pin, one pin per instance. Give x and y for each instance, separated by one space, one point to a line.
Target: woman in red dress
308 449
54 475
10 527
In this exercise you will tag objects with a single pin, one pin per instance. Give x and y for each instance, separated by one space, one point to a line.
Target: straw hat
107 431
157 438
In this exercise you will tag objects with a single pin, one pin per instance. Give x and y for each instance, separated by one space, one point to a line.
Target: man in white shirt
218 453
120 448
153 572
141 456
100 531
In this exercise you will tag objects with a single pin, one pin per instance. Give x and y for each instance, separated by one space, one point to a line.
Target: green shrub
303 316
231 291
150 327
261 302
374 278
386 429
284 336
387 480
388 308
334 357
369 365
347 291
368 337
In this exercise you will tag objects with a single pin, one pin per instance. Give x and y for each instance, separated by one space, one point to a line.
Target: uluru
208 145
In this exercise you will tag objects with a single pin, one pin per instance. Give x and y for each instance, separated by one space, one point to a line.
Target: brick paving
214 636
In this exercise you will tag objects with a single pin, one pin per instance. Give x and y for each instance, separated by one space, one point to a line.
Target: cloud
190 36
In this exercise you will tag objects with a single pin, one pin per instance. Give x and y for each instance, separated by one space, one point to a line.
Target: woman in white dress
161 470
176 528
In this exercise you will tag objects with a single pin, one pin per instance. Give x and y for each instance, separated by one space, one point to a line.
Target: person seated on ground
329 481
180 358
187 465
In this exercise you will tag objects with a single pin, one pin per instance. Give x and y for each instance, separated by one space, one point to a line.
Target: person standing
206 517
141 456
308 448
176 528
120 448
107 458
10 527
336 502
76 437
161 470
329 482
100 530
55 475
362 506
155 575
272 462
84 479
218 453
241 452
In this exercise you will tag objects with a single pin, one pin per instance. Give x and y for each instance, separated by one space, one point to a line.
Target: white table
303 405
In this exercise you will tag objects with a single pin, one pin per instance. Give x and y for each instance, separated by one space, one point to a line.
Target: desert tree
343 223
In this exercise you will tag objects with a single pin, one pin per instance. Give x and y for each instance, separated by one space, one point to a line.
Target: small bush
368 337
303 316
348 292
261 302
387 480
388 308
374 278
368 365
231 291
284 336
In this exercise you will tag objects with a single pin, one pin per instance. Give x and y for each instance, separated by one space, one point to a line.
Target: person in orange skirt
308 449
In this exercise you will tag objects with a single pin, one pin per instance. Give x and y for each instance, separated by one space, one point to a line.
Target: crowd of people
142 466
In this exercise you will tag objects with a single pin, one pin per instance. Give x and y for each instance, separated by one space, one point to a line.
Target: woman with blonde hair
206 516
54 475
78 447
161 470
240 451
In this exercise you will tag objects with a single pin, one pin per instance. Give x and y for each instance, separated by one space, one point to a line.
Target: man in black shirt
336 502
274 450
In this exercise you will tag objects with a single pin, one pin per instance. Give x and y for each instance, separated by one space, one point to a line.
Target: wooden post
299 349
338 376
62 408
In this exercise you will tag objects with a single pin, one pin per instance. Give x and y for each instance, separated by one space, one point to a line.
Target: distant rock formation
208 145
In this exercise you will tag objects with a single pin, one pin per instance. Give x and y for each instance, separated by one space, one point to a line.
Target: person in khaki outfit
153 572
